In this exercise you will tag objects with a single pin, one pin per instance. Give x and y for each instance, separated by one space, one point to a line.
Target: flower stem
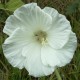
58 75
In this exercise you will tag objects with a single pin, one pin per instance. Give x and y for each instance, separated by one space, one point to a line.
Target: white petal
48 56
58 34
11 24
13 55
20 36
52 12
33 17
59 57
33 62
66 53
13 47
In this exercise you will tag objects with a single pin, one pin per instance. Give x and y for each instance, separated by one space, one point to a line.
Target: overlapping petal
34 64
58 34
33 17
11 24
22 51
59 57
13 47
29 16
66 53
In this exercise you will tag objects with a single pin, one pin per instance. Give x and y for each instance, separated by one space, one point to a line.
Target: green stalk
58 75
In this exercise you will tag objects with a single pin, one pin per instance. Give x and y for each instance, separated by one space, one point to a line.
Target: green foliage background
71 9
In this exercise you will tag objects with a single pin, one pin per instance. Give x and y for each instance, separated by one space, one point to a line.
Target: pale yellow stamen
41 37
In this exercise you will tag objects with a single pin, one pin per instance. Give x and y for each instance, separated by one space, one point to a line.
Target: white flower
39 39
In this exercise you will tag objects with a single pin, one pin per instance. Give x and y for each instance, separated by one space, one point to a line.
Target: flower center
41 37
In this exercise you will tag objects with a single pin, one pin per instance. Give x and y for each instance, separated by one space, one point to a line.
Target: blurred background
71 9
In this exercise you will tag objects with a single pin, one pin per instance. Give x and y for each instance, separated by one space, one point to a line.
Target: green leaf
1 6
12 5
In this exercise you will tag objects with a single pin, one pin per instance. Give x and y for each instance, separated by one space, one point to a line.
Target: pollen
41 37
